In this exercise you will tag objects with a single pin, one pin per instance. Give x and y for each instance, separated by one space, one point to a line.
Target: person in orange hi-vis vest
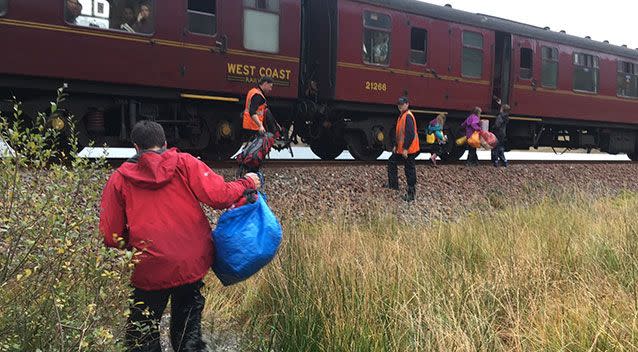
406 150
256 112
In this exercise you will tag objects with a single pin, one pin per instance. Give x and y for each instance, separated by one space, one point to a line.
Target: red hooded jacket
152 203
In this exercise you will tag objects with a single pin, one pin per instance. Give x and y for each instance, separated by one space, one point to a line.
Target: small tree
60 288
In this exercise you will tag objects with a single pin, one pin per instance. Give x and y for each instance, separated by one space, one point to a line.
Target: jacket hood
151 169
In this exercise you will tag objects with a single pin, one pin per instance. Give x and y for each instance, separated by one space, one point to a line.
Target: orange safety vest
248 122
400 133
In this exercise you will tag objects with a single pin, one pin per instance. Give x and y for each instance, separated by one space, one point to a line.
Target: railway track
301 163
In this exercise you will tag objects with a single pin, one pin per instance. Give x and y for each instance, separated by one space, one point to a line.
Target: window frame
378 29
243 26
206 13
481 49
634 65
114 30
556 61
520 67
595 60
278 12
3 12
426 51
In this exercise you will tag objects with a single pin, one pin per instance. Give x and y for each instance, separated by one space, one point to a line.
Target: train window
472 65
627 79
418 46
549 74
136 16
585 72
201 16
4 4
267 5
527 58
376 38
261 25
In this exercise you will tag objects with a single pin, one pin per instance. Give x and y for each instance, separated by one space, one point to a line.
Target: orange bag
430 139
475 140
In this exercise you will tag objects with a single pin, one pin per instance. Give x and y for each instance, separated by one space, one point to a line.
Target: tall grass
560 275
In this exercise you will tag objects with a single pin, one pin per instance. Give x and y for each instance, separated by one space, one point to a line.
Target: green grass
558 276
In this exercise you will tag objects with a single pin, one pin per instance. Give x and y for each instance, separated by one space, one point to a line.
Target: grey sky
613 20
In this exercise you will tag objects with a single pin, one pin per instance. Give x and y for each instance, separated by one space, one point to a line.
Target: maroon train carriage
339 66
188 68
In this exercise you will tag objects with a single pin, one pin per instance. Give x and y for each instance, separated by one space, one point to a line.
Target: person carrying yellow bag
435 129
472 125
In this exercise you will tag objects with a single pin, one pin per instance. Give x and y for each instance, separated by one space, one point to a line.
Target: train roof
502 25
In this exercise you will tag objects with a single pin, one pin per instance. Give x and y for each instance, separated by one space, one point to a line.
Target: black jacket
500 126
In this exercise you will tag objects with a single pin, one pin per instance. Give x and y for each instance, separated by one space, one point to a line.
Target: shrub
60 288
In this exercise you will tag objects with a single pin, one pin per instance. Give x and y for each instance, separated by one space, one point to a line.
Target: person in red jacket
151 205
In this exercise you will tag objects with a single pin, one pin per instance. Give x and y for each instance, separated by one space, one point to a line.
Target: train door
501 80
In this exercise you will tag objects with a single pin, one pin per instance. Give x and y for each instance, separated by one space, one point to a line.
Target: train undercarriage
213 129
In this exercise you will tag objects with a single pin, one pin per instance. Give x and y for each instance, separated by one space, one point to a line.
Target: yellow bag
475 140
430 139
461 141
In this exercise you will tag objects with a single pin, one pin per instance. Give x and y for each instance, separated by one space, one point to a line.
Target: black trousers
498 153
472 157
270 122
147 307
410 169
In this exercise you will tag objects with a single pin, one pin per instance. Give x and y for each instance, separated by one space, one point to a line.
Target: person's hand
394 149
255 178
139 17
405 154
262 130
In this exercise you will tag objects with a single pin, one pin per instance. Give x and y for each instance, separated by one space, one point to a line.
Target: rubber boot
410 195
391 186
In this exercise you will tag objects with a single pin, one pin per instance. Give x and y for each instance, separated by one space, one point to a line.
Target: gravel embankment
444 192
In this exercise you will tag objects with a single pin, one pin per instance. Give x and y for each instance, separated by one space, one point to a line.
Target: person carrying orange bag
472 128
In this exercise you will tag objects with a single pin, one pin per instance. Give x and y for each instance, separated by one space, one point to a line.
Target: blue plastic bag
245 240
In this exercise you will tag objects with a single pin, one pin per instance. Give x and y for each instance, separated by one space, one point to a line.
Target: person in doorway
500 131
257 117
151 205
405 151
472 124
436 127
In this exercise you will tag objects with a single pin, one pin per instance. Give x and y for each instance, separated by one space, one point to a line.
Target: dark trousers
498 154
472 157
410 169
270 123
187 304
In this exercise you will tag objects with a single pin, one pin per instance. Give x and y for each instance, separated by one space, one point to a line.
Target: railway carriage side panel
379 59
554 86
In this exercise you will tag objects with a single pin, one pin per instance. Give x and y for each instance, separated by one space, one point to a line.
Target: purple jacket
471 125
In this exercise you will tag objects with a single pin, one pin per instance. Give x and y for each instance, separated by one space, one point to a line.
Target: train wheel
327 151
359 148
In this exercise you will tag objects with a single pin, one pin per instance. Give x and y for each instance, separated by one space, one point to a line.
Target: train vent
563 31
587 37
